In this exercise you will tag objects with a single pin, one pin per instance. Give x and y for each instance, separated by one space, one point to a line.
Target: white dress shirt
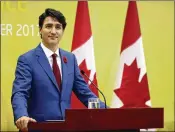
49 53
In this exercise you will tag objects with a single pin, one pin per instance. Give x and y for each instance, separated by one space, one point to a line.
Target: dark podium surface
96 120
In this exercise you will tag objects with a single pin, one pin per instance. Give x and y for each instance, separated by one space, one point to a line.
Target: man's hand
23 121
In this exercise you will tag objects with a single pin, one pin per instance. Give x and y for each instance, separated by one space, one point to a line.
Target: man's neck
52 47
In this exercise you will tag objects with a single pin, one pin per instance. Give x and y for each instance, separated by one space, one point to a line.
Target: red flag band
83 48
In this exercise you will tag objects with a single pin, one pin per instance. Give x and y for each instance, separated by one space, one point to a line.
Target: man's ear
40 32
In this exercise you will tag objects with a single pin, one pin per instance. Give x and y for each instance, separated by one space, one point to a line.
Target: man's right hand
23 121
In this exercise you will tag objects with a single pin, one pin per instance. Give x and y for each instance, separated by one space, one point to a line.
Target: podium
104 120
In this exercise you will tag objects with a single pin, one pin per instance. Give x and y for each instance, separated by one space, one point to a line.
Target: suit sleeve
21 88
80 87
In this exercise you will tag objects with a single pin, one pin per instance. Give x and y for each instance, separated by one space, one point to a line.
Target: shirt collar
48 52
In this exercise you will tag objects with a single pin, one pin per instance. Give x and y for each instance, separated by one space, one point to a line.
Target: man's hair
53 13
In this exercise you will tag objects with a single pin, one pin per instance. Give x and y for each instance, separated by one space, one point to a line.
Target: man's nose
53 30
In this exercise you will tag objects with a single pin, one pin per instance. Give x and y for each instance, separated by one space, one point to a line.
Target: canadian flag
83 49
131 89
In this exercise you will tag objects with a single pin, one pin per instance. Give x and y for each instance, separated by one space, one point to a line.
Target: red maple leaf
83 67
132 92
76 102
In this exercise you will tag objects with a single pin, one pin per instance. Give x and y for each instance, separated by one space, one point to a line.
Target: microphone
95 87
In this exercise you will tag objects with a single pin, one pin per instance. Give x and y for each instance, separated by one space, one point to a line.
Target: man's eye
48 26
58 27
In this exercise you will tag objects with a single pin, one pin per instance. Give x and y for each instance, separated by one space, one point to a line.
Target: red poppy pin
65 59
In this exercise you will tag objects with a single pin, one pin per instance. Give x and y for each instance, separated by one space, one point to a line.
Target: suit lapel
64 71
43 61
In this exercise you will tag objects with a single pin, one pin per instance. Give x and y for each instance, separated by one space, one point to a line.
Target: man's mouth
53 37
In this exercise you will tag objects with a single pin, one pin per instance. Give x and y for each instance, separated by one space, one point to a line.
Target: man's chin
53 42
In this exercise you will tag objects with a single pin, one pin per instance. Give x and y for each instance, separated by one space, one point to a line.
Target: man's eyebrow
48 24
59 24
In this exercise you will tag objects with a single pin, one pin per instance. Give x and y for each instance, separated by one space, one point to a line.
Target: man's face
51 31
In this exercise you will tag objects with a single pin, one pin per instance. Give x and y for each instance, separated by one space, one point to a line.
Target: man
46 76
